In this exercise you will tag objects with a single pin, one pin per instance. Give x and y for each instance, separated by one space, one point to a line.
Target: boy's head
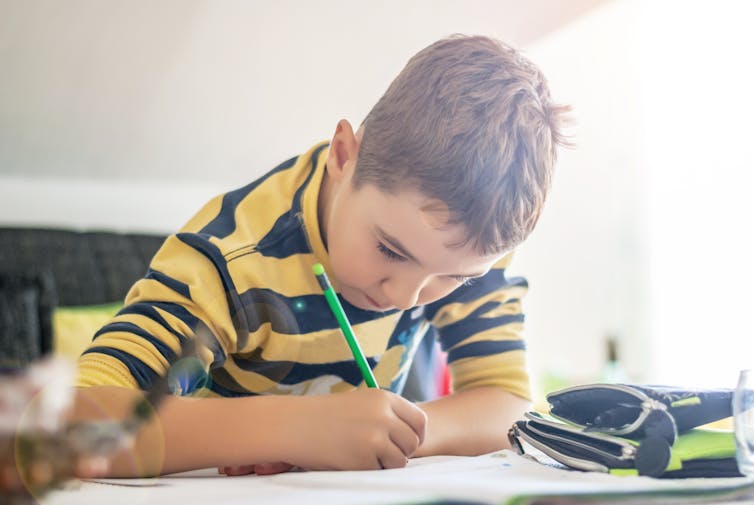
468 122
447 173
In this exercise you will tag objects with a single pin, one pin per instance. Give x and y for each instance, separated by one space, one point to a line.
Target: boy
414 216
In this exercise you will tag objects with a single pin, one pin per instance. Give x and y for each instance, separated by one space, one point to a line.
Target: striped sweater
237 278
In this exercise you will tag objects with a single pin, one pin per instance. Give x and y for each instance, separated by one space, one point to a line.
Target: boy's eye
389 253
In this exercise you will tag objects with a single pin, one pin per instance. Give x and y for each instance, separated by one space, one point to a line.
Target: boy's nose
403 293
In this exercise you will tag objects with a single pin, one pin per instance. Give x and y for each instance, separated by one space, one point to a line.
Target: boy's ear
344 150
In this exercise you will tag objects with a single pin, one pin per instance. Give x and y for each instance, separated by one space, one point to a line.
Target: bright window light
698 98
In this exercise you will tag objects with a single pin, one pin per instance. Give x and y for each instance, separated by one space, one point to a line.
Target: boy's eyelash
394 256
389 253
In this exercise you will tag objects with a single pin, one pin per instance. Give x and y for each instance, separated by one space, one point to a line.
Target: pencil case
639 412
695 453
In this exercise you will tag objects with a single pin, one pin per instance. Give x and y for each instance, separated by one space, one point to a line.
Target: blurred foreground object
39 449
743 421
35 451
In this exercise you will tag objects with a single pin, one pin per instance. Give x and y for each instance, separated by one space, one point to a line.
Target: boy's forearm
471 422
187 433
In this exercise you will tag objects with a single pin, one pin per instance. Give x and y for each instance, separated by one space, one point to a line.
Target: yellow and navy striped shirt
238 278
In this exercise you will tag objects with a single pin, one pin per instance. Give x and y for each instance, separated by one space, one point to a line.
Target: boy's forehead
431 213
435 213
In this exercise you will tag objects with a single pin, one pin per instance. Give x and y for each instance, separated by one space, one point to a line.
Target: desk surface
500 478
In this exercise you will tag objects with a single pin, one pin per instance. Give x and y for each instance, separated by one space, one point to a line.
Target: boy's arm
362 429
471 422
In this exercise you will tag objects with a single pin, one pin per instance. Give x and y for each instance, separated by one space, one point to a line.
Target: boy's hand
259 469
360 430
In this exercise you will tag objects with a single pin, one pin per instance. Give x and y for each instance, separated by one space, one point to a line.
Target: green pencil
345 326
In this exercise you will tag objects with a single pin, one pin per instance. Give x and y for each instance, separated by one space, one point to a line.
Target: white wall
649 228
586 259
187 98
196 88
155 205
699 105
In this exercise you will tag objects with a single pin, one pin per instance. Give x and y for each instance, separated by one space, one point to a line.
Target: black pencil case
696 453
639 411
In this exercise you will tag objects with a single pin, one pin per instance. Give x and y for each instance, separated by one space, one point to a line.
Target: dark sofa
41 269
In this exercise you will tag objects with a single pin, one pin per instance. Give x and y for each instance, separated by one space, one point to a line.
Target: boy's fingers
413 416
232 471
405 439
260 469
272 468
393 458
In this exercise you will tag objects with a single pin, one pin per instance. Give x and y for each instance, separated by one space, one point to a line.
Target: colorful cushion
74 327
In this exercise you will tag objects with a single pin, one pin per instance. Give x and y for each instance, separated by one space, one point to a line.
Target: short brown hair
468 121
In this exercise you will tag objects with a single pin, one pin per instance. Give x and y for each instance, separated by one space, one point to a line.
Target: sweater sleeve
187 293
480 327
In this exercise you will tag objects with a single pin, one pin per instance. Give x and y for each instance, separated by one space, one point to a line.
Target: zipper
581 464
626 449
647 406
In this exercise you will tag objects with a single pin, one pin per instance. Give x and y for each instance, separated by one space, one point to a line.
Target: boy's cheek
355 269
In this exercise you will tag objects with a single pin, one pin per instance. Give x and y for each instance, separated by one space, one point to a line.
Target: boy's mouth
374 305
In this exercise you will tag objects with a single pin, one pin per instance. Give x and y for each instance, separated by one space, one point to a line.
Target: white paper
493 478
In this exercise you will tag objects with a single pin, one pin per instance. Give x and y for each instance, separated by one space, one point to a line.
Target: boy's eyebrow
397 245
